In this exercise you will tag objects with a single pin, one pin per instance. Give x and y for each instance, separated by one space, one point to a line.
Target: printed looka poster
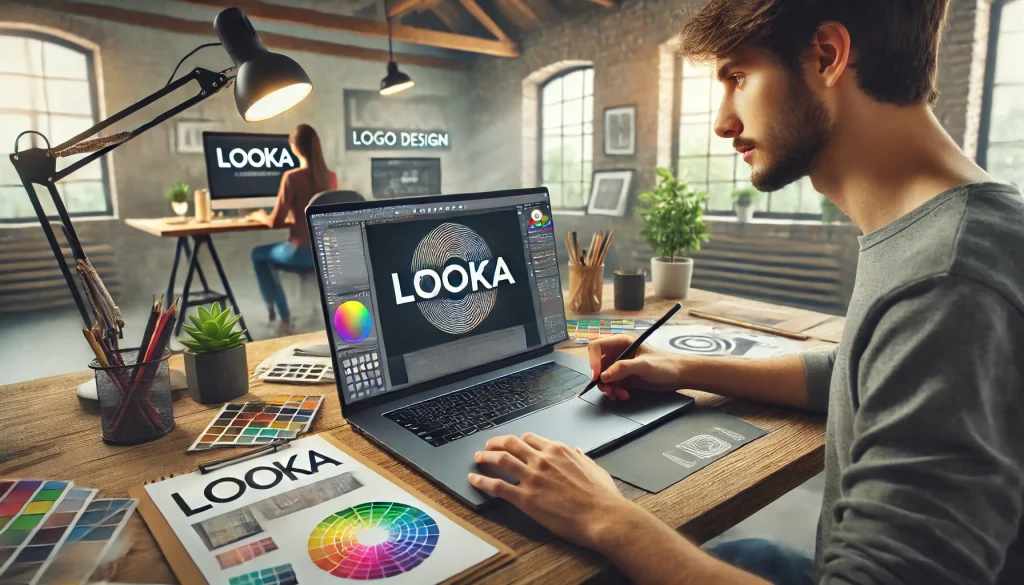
311 514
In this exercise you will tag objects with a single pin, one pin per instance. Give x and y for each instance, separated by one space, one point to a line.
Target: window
567 137
1001 141
712 165
49 85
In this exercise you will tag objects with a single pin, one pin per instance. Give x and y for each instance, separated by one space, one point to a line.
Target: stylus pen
629 351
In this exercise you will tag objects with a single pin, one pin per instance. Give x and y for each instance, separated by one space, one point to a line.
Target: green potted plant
215 362
744 203
674 215
178 195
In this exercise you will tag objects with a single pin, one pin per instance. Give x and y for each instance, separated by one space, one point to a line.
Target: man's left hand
559 487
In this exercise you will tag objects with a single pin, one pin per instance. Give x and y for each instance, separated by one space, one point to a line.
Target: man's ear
829 54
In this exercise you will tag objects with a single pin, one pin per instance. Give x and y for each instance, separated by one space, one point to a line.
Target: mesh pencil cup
135 398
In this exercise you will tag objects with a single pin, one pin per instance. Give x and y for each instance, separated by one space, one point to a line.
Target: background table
45 433
200 232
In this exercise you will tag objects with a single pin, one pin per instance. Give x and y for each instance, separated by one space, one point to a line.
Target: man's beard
798 136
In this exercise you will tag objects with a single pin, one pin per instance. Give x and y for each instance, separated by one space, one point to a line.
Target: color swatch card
24 508
587 330
311 514
284 416
88 541
31 561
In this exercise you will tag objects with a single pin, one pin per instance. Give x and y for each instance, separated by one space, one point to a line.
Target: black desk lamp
266 84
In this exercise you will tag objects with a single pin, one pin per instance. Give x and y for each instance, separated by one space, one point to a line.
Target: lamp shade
395 81
266 83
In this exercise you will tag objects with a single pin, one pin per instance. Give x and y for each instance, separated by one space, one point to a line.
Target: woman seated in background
298 186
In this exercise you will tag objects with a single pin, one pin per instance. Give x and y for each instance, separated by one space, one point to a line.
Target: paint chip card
88 541
24 508
285 416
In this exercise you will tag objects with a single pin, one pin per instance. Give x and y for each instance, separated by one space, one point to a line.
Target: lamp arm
38 166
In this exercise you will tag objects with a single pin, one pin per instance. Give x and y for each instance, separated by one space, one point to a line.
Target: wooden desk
183 228
44 433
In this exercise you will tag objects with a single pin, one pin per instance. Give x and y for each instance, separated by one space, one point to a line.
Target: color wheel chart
352 321
373 540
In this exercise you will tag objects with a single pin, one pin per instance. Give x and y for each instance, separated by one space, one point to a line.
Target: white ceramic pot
671 279
180 207
744 213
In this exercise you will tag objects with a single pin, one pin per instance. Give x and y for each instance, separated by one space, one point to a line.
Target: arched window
49 85
567 137
712 164
1001 136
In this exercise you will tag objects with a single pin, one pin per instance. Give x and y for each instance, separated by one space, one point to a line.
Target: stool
306 276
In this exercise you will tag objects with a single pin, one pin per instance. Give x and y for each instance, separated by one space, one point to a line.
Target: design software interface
416 292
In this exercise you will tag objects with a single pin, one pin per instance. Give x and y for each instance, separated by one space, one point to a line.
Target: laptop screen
420 291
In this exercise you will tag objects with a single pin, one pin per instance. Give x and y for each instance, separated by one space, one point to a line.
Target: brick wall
627 49
136 61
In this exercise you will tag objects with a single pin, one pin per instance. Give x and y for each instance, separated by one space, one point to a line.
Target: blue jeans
774 563
265 258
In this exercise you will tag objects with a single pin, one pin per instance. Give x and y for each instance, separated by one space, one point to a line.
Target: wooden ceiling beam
609 4
205 29
482 17
402 6
448 13
258 10
522 11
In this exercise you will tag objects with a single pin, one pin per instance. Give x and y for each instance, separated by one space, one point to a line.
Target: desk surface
173 227
45 433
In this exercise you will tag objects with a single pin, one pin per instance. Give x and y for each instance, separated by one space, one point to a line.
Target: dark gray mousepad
678 448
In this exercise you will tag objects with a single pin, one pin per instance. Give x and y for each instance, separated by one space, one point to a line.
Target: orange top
292 198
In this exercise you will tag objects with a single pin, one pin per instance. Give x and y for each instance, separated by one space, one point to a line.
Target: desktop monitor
244 170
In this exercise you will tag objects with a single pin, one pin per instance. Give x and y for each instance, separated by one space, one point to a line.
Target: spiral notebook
312 512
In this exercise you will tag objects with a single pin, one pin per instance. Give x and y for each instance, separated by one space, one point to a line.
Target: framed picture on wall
620 131
188 135
609 193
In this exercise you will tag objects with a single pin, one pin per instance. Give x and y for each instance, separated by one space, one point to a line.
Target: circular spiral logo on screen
703 344
447 242
374 540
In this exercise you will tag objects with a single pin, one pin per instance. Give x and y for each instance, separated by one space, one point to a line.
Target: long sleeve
283 206
933 493
818 367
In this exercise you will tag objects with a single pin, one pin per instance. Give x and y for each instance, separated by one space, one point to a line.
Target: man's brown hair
895 43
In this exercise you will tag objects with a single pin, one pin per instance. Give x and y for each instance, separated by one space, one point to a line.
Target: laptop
443 314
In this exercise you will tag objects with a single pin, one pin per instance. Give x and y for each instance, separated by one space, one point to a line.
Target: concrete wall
137 61
627 49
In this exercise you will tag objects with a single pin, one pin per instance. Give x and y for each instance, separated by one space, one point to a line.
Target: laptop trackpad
643 407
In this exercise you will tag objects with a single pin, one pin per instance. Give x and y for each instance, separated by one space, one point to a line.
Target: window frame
677 99
94 72
540 137
988 89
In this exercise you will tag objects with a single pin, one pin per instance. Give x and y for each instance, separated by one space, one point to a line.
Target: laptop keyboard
459 414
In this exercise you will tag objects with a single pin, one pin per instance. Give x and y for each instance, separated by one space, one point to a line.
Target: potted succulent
215 362
744 203
178 195
674 215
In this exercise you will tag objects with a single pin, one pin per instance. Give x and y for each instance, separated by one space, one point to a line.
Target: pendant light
395 81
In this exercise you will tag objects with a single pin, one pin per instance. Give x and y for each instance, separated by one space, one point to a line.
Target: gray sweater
924 450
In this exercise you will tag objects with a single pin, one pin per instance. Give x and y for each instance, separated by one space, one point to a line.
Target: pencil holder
586 288
135 398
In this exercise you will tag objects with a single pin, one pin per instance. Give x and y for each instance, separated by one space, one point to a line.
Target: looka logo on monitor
455 279
259 158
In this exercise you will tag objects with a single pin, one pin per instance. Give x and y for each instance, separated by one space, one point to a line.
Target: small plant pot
671 280
214 378
744 213
180 208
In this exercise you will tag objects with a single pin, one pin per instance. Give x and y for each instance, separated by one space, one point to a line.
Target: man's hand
649 369
559 487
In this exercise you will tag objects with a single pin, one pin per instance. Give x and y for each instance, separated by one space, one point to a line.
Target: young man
924 453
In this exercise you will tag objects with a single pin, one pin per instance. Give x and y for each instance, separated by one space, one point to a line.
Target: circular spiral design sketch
444 243
703 344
